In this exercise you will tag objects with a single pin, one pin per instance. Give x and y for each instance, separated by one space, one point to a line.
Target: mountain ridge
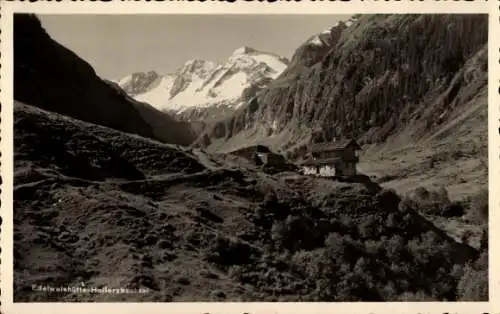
366 83
205 90
41 63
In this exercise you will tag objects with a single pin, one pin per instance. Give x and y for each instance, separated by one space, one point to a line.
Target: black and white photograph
250 157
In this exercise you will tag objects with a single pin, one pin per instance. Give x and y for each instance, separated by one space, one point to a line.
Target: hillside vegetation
101 207
100 201
385 77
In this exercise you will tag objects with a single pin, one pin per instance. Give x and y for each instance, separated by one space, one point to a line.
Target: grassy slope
109 209
52 77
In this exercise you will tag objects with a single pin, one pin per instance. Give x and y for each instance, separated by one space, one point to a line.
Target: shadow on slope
49 76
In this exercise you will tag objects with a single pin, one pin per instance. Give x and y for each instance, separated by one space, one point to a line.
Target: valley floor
461 175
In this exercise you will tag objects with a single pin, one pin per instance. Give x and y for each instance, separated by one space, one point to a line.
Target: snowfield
200 84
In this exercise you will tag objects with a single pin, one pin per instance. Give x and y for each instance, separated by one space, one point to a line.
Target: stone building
261 155
337 159
269 158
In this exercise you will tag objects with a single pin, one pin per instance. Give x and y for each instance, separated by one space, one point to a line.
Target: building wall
275 159
262 157
346 168
343 169
324 171
347 153
328 154
271 158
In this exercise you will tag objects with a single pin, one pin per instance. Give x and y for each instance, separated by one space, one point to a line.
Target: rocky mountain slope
205 91
100 202
95 207
50 76
377 78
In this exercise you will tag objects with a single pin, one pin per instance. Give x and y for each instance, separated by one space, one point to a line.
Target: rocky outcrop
136 82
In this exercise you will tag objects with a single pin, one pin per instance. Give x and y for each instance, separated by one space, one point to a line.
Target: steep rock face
204 91
318 45
137 82
50 76
377 76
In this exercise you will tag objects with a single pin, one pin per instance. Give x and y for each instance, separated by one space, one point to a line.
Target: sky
118 45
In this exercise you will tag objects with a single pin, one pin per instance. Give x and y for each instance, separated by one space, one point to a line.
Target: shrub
368 227
395 247
482 262
393 221
335 244
352 254
473 286
270 198
304 261
299 232
279 233
419 296
374 247
227 251
344 248
435 202
431 251
406 205
484 239
479 206
388 291
455 209
457 271
387 199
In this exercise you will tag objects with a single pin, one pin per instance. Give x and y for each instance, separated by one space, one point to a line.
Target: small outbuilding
261 155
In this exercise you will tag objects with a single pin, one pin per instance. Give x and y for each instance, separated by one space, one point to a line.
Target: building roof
319 162
327 161
250 150
329 146
262 149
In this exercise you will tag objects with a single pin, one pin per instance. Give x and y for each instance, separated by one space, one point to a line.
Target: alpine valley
192 185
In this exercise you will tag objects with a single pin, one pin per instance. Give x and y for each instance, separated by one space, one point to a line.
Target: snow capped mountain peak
198 68
200 84
330 29
250 58
137 81
194 62
243 50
